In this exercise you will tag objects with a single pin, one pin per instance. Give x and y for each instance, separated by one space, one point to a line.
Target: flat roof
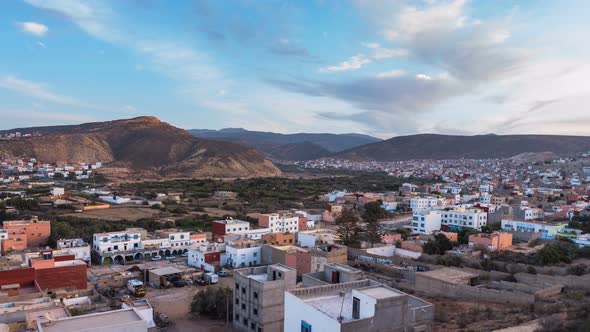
92 321
380 292
454 276
165 271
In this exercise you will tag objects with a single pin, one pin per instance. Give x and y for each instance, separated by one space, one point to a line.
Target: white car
156 258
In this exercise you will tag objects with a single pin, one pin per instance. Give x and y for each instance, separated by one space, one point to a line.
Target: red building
49 270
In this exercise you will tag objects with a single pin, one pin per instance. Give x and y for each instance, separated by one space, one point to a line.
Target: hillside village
514 240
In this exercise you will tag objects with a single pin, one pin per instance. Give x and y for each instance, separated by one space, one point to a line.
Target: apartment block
258 296
278 223
426 221
460 217
36 231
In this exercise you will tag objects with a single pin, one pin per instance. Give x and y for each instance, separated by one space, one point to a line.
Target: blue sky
381 67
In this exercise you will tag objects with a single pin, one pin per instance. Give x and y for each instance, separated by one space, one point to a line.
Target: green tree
60 230
348 228
373 213
213 302
438 246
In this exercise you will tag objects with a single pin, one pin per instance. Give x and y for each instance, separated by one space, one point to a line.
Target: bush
213 302
578 269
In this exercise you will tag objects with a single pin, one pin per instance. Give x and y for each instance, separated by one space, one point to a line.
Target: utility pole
227 310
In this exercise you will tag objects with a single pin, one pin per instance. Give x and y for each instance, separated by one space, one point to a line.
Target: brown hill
143 144
431 146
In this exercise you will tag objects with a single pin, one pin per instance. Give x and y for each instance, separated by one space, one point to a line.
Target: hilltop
142 145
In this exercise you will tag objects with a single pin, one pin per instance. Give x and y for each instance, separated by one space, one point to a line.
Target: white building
78 247
464 218
389 206
279 223
425 203
362 305
57 192
426 222
547 230
243 255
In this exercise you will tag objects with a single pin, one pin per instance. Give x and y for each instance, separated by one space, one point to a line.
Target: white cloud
413 21
390 74
41 44
34 28
354 63
424 77
35 90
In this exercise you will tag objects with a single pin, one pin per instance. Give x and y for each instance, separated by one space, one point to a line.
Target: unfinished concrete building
259 297
332 274
326 254
362 305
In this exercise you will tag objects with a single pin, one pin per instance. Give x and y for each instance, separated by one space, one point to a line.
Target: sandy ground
118 213
175 303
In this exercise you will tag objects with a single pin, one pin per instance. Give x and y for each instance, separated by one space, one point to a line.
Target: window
237 301
237 318
253 326
243 290
115 247
255 311
356 308
305 327
237 286
255 254
246 322
255 295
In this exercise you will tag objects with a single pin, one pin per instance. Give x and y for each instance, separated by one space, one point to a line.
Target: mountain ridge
277 145
437 146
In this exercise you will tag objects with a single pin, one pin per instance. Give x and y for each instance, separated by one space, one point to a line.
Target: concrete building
328 254
424 203
78 247
527 213
311 238
36 231
258 296
243 253
281 239
118 246
496 241
362 305
546 230
292 256
279 223
57 192
332 274
206 258
461 217
426 221
219 228
124 320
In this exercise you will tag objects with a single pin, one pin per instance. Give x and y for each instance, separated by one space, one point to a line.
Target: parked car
180 283
184 254
156 258
169 257
222 273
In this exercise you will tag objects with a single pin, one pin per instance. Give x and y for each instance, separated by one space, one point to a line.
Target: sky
379 67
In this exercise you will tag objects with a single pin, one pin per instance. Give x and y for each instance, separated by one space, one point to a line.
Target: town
510 243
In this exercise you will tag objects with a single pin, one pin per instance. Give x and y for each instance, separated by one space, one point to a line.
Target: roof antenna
340 318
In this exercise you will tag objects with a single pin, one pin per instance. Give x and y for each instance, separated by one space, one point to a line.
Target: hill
143 145
270 143
431 146
299 151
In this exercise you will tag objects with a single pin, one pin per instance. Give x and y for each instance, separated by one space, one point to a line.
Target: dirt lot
175 303
119 213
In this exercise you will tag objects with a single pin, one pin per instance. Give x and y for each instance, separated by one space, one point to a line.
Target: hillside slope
143 144
431 146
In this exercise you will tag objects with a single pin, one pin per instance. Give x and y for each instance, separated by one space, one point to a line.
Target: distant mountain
299 151
431 146
271 143
141 145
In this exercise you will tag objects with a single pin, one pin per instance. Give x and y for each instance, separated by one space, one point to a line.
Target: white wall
297 310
